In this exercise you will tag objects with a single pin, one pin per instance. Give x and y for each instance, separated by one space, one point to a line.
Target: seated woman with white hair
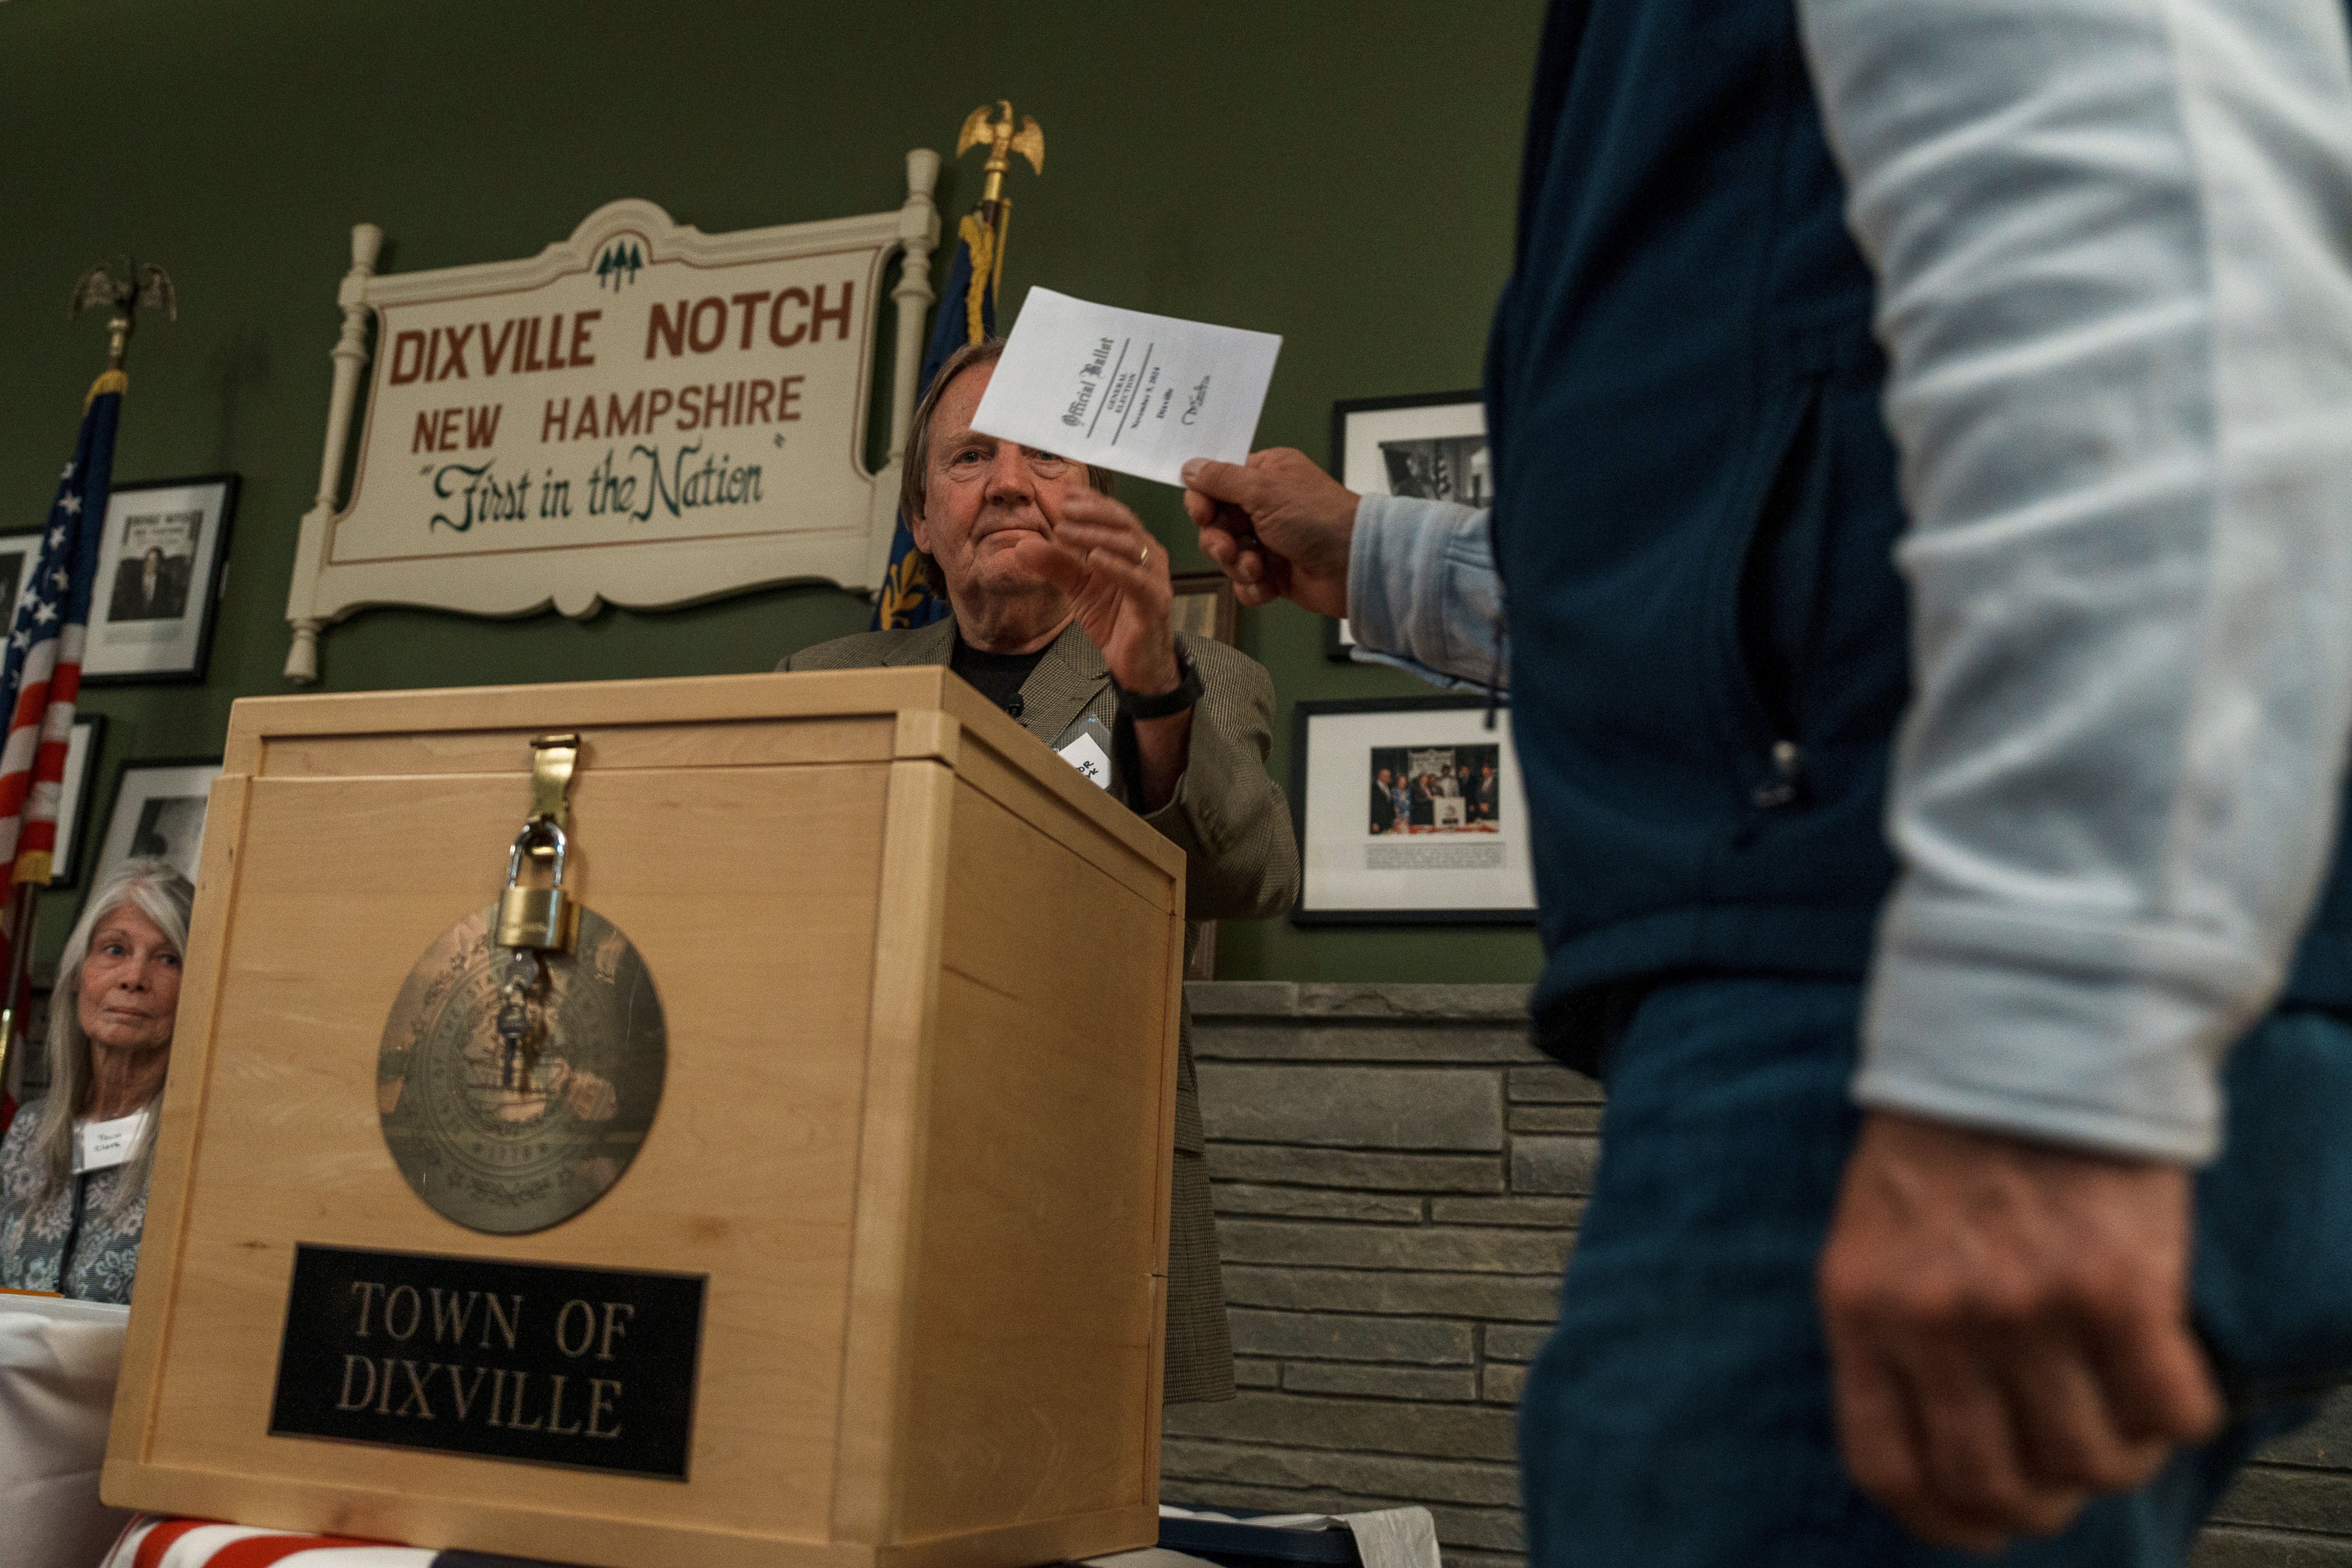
75 1164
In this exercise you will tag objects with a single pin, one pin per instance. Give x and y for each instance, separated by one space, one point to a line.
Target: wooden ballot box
881 1283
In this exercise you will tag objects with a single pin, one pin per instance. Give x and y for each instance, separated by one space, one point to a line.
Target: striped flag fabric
201 1543
151 1543
40 674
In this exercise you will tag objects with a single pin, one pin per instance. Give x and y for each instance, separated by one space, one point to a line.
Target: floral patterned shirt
33 1234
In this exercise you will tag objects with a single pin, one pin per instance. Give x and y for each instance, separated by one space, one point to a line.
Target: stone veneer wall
1398 1176
1398 1179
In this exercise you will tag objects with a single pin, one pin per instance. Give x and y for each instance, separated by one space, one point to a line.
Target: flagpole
966 313
38 689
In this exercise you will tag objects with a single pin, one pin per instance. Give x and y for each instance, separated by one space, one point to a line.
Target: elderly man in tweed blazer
1061 612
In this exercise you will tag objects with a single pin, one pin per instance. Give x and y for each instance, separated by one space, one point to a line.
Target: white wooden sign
642 414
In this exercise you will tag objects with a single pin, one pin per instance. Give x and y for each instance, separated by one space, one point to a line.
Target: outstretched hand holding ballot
1278 526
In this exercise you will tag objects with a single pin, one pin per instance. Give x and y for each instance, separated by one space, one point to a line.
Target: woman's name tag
103 1145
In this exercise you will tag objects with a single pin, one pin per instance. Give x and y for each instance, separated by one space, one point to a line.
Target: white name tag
103 1145
1086 755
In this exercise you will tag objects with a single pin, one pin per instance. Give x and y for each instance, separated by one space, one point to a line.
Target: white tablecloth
58 1366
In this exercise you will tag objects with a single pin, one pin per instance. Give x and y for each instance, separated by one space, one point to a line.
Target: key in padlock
515 1027
542 918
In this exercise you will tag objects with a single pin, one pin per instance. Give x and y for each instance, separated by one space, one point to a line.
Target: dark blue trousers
1680 1415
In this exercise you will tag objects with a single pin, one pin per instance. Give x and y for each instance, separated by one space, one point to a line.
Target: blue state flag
967 315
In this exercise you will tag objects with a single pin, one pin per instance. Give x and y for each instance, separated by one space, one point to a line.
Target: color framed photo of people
159 573
1409 810
1429 445
158 814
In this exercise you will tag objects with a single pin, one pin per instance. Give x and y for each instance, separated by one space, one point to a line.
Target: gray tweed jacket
1240 862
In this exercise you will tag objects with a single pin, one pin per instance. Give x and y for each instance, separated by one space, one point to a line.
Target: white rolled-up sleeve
2114 246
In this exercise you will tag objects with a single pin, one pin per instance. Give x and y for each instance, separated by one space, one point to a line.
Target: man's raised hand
1117 577
1278 526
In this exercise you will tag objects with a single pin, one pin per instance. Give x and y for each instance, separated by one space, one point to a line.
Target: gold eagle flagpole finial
123 288
1003 144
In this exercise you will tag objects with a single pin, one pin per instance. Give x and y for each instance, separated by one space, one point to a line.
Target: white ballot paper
1125 390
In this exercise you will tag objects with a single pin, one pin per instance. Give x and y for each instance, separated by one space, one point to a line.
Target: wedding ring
1144 559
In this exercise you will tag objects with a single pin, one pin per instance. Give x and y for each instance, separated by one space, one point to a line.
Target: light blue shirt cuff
1423 595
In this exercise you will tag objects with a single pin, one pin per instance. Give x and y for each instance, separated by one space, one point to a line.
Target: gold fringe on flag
987 261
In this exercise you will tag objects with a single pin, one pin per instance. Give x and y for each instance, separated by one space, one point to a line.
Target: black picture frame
109 853
1211 593
1465 717
189 650
1349 463
17 552
78 792
1338 645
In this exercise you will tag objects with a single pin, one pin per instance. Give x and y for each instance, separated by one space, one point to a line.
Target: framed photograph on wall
16 552
1205 607
159 575
158 812
1205 604
1432 445
1410 811
82 748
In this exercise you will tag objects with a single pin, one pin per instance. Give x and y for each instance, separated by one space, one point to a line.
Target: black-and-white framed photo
158 813
158 577
1432 445
1409 810
74 792
16 552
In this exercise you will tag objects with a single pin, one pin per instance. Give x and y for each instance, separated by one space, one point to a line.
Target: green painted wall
1339 171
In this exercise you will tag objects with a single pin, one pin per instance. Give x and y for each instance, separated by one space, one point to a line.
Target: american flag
151 1543
202 1543
40 675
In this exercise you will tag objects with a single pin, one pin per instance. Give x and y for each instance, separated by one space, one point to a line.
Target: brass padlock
541 918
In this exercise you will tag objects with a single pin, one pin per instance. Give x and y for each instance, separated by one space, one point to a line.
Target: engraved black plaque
548 1365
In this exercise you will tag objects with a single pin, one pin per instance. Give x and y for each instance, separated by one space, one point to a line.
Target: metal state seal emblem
508 1152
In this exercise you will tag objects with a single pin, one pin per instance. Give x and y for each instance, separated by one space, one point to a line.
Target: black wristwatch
1188 691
